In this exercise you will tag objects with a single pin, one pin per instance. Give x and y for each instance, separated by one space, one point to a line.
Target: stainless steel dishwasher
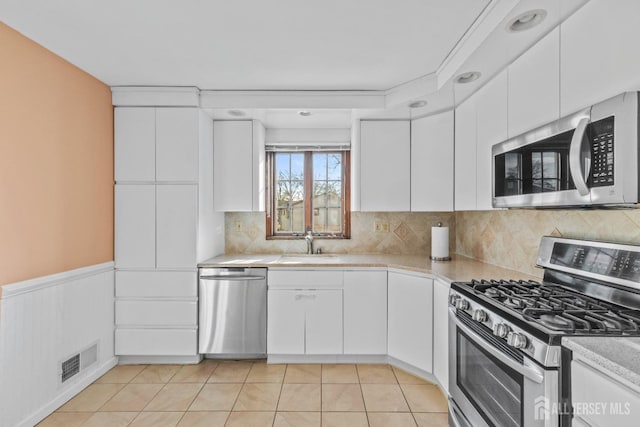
233 312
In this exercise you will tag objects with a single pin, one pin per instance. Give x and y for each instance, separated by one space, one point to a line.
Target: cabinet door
365 312
176 213
135 226
534 86
323 334
385 161
465 156
233 165
177 144
410 332
432 163
491 128
285 322
135 144
440 333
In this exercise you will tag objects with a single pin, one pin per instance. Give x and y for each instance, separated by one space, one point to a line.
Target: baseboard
159 360
412 369
326 358
68 394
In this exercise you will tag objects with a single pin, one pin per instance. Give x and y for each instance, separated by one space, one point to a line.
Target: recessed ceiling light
304 113
468 77
236 113
526 20
418 104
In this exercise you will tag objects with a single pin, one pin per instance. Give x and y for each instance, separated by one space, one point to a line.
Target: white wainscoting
43 322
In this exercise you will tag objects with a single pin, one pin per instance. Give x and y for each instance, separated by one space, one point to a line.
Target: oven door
489 387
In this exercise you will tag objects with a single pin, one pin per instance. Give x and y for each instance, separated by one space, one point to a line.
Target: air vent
79 362
70 367
88 357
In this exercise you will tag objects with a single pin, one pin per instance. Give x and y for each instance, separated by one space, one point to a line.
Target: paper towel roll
440 243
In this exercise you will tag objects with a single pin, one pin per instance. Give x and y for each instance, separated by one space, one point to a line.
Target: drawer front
157 313
156 342
305 279
156 284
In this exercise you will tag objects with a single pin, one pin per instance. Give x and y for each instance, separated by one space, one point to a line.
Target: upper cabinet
534 86
465 156
238 165
385 165
598 46
156 144
432 163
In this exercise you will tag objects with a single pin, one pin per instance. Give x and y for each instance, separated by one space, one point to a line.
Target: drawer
157 313
156 284
156 342
305 279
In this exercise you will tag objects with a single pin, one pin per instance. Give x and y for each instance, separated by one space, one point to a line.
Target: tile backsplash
409 233
510 238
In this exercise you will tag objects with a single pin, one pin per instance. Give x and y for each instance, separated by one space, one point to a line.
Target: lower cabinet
441 333
410 325
365 312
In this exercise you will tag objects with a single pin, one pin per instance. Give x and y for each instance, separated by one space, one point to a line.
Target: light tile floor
254 394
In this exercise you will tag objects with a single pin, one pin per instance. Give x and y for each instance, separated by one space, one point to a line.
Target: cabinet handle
299 297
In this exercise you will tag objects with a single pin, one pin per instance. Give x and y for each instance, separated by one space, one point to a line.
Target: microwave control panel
601 136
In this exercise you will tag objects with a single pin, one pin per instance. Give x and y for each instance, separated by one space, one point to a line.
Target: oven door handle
527 371
578 172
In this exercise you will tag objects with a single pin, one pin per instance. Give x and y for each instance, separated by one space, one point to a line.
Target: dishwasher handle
232 278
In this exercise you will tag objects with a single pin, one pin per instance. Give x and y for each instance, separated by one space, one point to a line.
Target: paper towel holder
435 258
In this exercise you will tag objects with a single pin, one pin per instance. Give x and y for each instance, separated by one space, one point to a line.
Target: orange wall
56 163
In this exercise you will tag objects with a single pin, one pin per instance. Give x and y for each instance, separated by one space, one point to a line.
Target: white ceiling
248 44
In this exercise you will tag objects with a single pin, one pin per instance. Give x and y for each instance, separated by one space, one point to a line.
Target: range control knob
517 340
453 299
501 330
462 304
480 315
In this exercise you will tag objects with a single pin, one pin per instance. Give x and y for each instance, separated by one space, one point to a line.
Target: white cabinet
135 226
598 53
285 322
534 86
365 312
491 128
238 157
156 144
441 333
176 227
465 156
323 322
385 160
410 326
432 163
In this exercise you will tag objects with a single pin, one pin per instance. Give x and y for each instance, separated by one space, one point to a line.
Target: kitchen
106 218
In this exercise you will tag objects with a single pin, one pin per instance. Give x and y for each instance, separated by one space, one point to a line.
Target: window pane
550 165
334 220
536 165
319 220
319 166
297 166
334 193
334 166
282 165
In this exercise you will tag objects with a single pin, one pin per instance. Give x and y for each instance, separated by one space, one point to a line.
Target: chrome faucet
309 239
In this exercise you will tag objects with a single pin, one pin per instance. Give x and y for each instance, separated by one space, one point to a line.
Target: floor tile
297 419
376 374
303 374
406 378
342 398
395 419
339 374
157 419
384 398
65 419
263 373
156 374
203 419
194 373
174 397
432 419
216 397
344 419
250 419
110 419
230 372
258 397
132 398
299 397
424 398
91 398
121 374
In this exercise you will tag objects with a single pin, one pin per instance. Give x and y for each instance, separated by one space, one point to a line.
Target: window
308 190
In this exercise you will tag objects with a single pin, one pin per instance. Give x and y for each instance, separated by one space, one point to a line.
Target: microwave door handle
527 371
575 161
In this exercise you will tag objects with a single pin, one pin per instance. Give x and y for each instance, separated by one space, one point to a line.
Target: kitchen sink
308 258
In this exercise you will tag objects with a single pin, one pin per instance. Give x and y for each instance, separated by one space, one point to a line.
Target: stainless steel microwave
587 158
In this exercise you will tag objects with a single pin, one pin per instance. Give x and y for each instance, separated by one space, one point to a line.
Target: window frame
270 201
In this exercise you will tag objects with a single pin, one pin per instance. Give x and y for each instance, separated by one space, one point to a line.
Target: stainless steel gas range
506 363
